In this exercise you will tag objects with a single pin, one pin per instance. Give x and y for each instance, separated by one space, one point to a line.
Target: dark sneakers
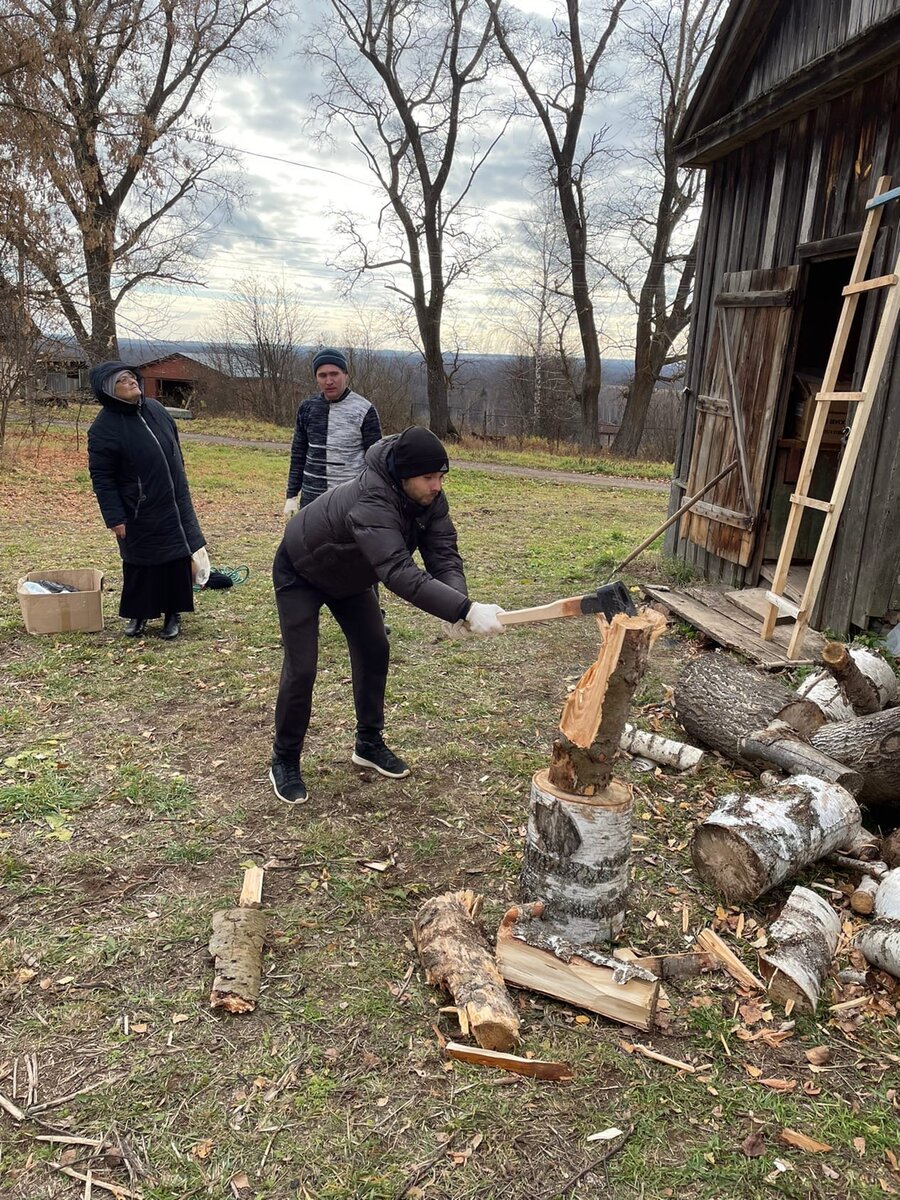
374 753
287 781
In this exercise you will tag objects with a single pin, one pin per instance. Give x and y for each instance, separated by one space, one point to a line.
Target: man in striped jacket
334 429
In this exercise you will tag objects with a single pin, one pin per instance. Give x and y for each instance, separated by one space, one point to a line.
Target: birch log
801 947
862 900
594 715
850 683
720 701
659 749
456 957
879 942
780 746
577 854
751 842
871 746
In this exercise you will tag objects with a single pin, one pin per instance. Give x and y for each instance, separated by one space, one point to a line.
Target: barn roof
773 61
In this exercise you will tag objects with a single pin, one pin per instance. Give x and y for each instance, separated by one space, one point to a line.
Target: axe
609 599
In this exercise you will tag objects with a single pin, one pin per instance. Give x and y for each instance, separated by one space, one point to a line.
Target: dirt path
604 481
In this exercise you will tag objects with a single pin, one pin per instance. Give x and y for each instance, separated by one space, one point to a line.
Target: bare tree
384 377
560 75
104 146
412 106
650 247
256 340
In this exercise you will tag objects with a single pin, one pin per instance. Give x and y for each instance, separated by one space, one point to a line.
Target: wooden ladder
801 499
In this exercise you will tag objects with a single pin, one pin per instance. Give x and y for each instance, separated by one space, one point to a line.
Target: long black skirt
155 591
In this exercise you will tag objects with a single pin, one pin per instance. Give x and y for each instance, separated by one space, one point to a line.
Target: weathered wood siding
806 182
803 31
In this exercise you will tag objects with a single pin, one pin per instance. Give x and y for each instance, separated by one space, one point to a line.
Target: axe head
609 599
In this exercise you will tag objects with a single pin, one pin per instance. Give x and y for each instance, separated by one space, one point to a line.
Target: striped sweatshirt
330 442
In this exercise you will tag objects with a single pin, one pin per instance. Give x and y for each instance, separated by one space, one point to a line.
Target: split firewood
783 747
853 683
871 746
531 958
535 1068
457 958
753 841
577 856
802 942
665 751
879 942
236 945
862 900
594 715
710 941
720 701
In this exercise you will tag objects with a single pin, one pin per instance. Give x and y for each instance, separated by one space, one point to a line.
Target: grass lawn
133 792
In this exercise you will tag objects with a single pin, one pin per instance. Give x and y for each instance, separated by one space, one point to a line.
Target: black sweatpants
362 624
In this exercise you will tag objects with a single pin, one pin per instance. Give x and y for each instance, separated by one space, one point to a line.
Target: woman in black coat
137 471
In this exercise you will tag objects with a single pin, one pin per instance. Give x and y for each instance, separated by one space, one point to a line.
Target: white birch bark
880 942
659 749
752 842
805 937
577 856
823 689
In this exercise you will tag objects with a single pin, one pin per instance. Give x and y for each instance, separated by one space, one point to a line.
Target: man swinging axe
334 551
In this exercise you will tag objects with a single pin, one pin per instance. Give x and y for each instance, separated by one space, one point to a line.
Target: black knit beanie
418 452
330 358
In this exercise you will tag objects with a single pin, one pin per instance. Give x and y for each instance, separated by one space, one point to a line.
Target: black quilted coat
137 471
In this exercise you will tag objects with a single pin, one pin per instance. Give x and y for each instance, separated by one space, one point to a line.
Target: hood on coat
101 374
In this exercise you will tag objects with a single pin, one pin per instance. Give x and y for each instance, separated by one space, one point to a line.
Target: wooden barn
795 119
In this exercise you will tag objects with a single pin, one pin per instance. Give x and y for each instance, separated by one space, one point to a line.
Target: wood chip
791 1137
710 941
535 1068
648 1052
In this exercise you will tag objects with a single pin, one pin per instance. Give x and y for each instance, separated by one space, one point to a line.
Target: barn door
736 406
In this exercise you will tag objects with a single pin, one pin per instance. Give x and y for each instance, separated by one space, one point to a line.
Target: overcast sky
285 231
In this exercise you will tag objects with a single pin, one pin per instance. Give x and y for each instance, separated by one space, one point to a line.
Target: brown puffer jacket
366 531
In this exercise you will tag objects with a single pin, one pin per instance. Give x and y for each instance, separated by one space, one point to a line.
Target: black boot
135 626
172 627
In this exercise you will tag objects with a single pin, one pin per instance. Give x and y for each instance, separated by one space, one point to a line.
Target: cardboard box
64 611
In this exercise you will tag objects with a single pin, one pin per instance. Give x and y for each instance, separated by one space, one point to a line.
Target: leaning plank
720 701
535 1068
456 957
871 746
595 712
709 940
665 751
753 841
575 981
238 937
801 947
880 942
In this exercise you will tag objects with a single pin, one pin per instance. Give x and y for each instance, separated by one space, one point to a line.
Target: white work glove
457 630
201 567
482 619
291 507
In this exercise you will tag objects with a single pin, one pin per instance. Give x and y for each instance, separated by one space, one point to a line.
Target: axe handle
570 607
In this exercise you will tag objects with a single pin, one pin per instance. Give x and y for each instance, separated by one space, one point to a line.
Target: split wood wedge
607 600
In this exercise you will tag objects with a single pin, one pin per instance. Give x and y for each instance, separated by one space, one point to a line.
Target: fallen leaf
892 1159
829 1171
581 1019
859 1144
779 1085
818 1055
791 1137
24 975
751 1012
754 1144
605 1135
179 1018
810 1089
753 1072
139 1027
202 1150
240 1186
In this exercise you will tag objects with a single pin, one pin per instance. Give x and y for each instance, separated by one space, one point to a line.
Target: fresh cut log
659 749
721 701
753 841
594 715
236 944
456 957
802 942
869 745
879 942
853 682
577 855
